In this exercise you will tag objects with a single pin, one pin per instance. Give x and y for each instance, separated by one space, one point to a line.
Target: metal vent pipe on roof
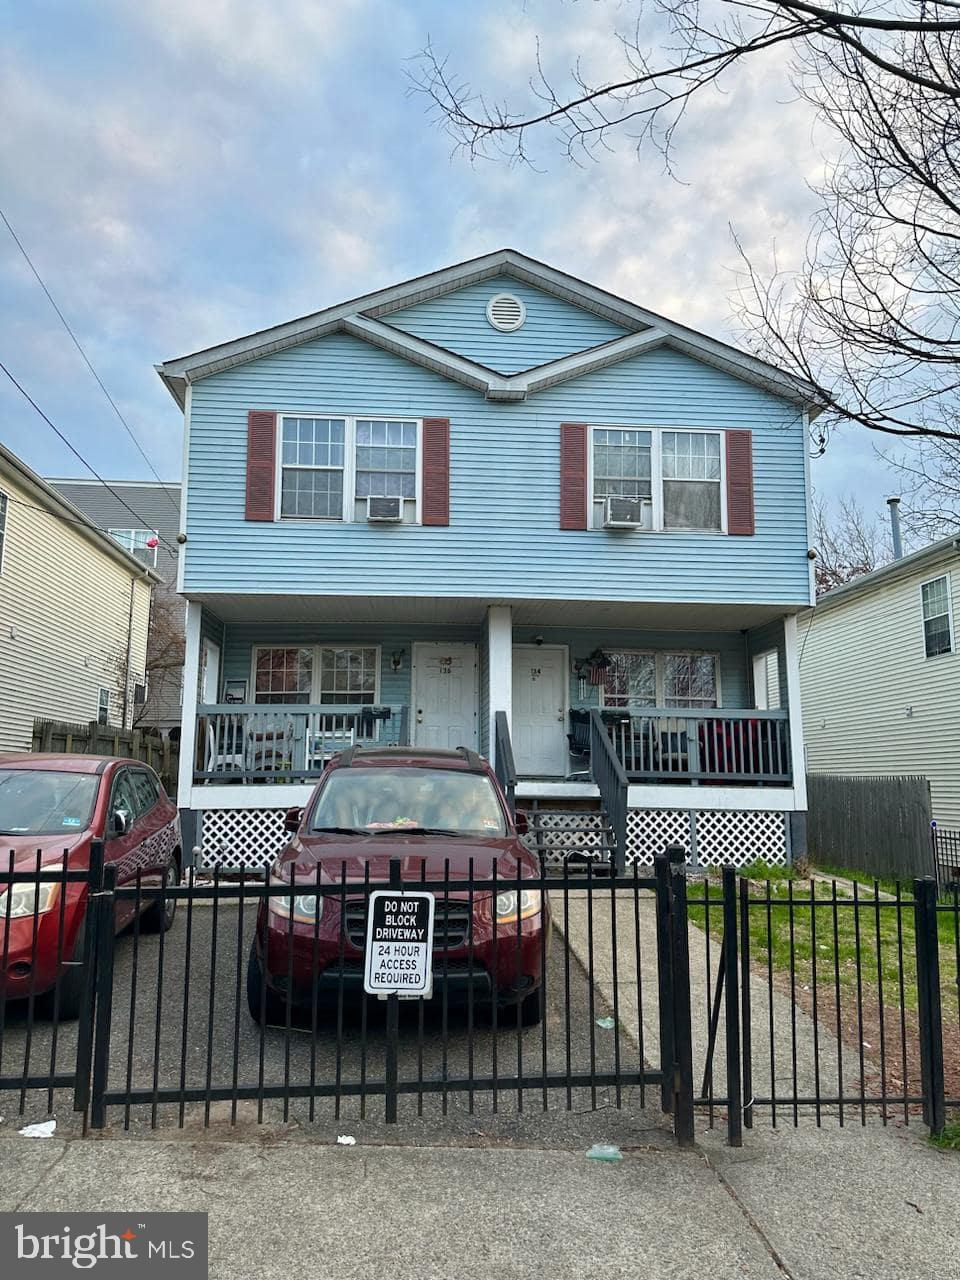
894 505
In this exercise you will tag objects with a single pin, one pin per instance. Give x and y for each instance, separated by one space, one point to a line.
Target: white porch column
188 711
499 668
797 755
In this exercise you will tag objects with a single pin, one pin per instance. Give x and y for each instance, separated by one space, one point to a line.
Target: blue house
497 507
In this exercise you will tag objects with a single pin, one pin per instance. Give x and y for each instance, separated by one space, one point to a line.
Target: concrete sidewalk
810 1206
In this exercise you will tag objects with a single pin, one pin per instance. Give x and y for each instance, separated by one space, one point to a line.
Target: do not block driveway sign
399 944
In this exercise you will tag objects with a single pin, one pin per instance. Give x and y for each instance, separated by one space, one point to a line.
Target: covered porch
686 698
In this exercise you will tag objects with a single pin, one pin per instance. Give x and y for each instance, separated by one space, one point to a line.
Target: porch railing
288 742
663 744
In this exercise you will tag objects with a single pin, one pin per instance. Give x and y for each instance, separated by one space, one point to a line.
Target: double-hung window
937 628
635 679
312 458
348 677
676 475
330 466
135 541
282 675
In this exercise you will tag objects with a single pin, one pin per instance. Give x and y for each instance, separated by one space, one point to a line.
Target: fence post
88 953
734 1096
661 870
745 1008
682 1023
393 1023
930 1011
106 933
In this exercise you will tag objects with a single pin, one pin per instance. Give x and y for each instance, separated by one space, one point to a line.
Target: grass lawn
949 1140
824 941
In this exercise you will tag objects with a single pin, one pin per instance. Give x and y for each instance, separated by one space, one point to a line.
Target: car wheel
159 916
531 1009
262 1003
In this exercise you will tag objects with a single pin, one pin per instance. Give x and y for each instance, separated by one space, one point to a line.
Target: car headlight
508 909
307 907
27 898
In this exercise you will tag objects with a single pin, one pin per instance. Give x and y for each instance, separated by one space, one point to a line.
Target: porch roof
231 607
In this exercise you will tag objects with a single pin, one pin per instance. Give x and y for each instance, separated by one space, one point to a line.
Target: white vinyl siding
65 605
873 703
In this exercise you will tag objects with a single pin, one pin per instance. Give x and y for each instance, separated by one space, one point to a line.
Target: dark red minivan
440 813
53 806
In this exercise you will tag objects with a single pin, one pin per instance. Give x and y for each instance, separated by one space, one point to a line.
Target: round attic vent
505 312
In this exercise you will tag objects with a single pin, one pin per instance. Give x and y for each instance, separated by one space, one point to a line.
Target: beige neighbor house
880 675
74 612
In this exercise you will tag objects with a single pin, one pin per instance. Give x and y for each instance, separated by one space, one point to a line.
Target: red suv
431 810
54 806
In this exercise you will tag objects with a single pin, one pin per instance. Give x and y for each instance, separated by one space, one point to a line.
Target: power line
84 357
144 524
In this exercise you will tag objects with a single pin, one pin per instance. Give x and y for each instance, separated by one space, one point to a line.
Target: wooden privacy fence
878 825
152 746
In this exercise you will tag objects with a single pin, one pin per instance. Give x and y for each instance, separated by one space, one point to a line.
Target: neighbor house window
678 475
348 677
312 452
135 541
690 466
633 679
630 679
689 680
283 675
937 632
3 527
103 705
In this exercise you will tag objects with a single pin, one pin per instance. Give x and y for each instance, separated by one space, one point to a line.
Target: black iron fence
946 856
138 1003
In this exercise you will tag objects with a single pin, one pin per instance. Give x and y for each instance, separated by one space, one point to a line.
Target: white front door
538 727
209 681
446 695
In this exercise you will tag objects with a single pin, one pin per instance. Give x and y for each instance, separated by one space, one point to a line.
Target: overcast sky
186 171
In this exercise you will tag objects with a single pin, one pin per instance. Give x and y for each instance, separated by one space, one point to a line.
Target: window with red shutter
740 516
573 475
261 465
436 471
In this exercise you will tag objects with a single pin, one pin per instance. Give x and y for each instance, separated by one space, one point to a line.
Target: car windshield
385 799
40 802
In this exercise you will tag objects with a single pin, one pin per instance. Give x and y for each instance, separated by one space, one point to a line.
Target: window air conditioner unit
628 513
384 510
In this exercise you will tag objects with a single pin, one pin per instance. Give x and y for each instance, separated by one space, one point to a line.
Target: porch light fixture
396 660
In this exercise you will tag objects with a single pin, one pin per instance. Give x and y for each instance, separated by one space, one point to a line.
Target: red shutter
261 465
436 471
740 482
573 475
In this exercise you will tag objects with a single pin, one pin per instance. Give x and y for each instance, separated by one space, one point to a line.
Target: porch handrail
607 771
694 713
503 762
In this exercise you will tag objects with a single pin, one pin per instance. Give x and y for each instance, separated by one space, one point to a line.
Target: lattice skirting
711 838
240 838
565 832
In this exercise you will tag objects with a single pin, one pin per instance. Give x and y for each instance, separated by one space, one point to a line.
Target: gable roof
925 560
363 318
47 498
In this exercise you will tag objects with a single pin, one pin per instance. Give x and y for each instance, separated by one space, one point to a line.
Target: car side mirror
521 823
120 822
292 819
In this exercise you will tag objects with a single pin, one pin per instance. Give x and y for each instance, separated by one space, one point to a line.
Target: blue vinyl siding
395 686
552 329
504 540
